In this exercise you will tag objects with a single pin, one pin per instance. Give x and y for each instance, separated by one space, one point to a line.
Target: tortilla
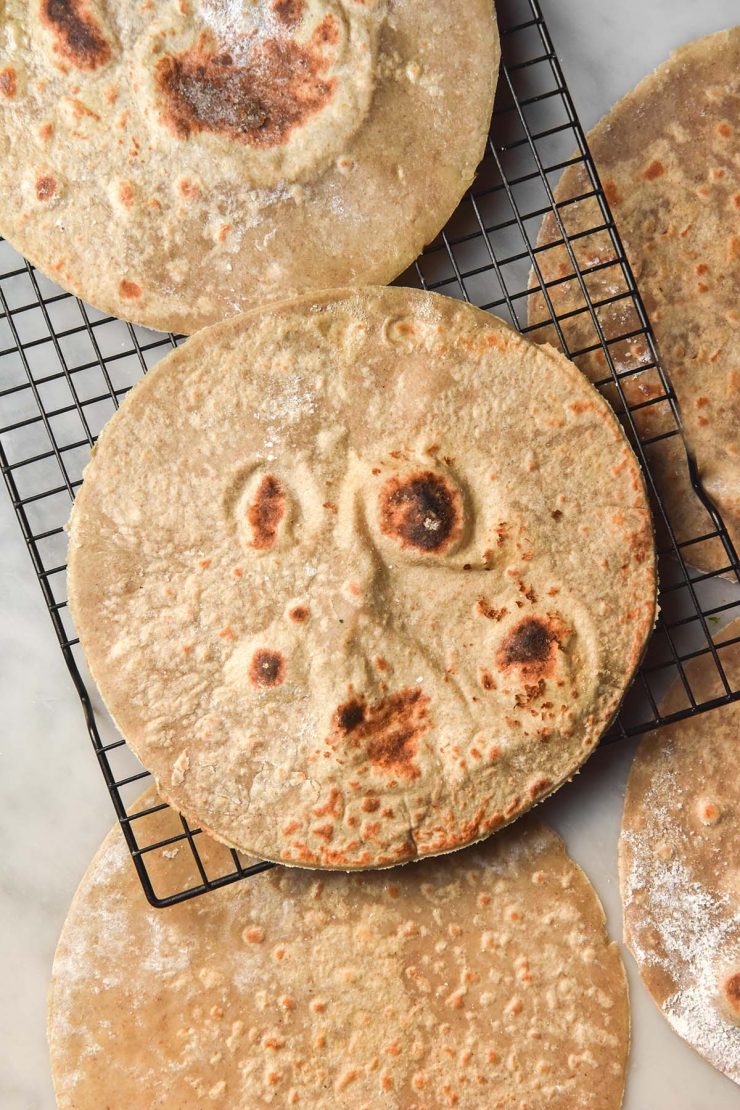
361 577
178 162
458 986
665 154
678 863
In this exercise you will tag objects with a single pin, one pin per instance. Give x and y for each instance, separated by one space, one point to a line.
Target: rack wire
64 368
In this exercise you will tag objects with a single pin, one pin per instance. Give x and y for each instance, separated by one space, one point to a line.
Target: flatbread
490 981
175 163
666 155
361 577
679 865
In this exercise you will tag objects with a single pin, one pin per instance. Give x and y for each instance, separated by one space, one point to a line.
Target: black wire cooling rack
64 368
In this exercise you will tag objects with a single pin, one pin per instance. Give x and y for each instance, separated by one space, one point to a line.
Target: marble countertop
54 809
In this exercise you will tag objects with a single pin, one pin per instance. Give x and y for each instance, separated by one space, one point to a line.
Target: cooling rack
64 368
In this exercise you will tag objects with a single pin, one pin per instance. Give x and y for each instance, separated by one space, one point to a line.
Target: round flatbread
679 865
175 163
665 154
463 985
362 577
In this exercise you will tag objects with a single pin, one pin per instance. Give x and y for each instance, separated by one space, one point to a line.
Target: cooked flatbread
177 162
679 865
452 985
666 155
362 577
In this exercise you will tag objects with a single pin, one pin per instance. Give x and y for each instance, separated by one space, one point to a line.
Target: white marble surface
54 809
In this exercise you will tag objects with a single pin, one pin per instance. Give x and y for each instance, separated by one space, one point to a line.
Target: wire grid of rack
64 368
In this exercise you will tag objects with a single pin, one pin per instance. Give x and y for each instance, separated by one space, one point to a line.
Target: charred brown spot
489 612
289 12
350 715
530 647
527 591
266 512
8 82
79 39
422 511
612 193
129 289
655 169
732 991
267 668
46 186
188 189
390 729
531 692
299 614
327 32
279 86
528 643
126 193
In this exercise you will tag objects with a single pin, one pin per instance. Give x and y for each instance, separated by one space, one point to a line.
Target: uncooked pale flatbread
666 155
680 865
362 577
452 985
177 162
